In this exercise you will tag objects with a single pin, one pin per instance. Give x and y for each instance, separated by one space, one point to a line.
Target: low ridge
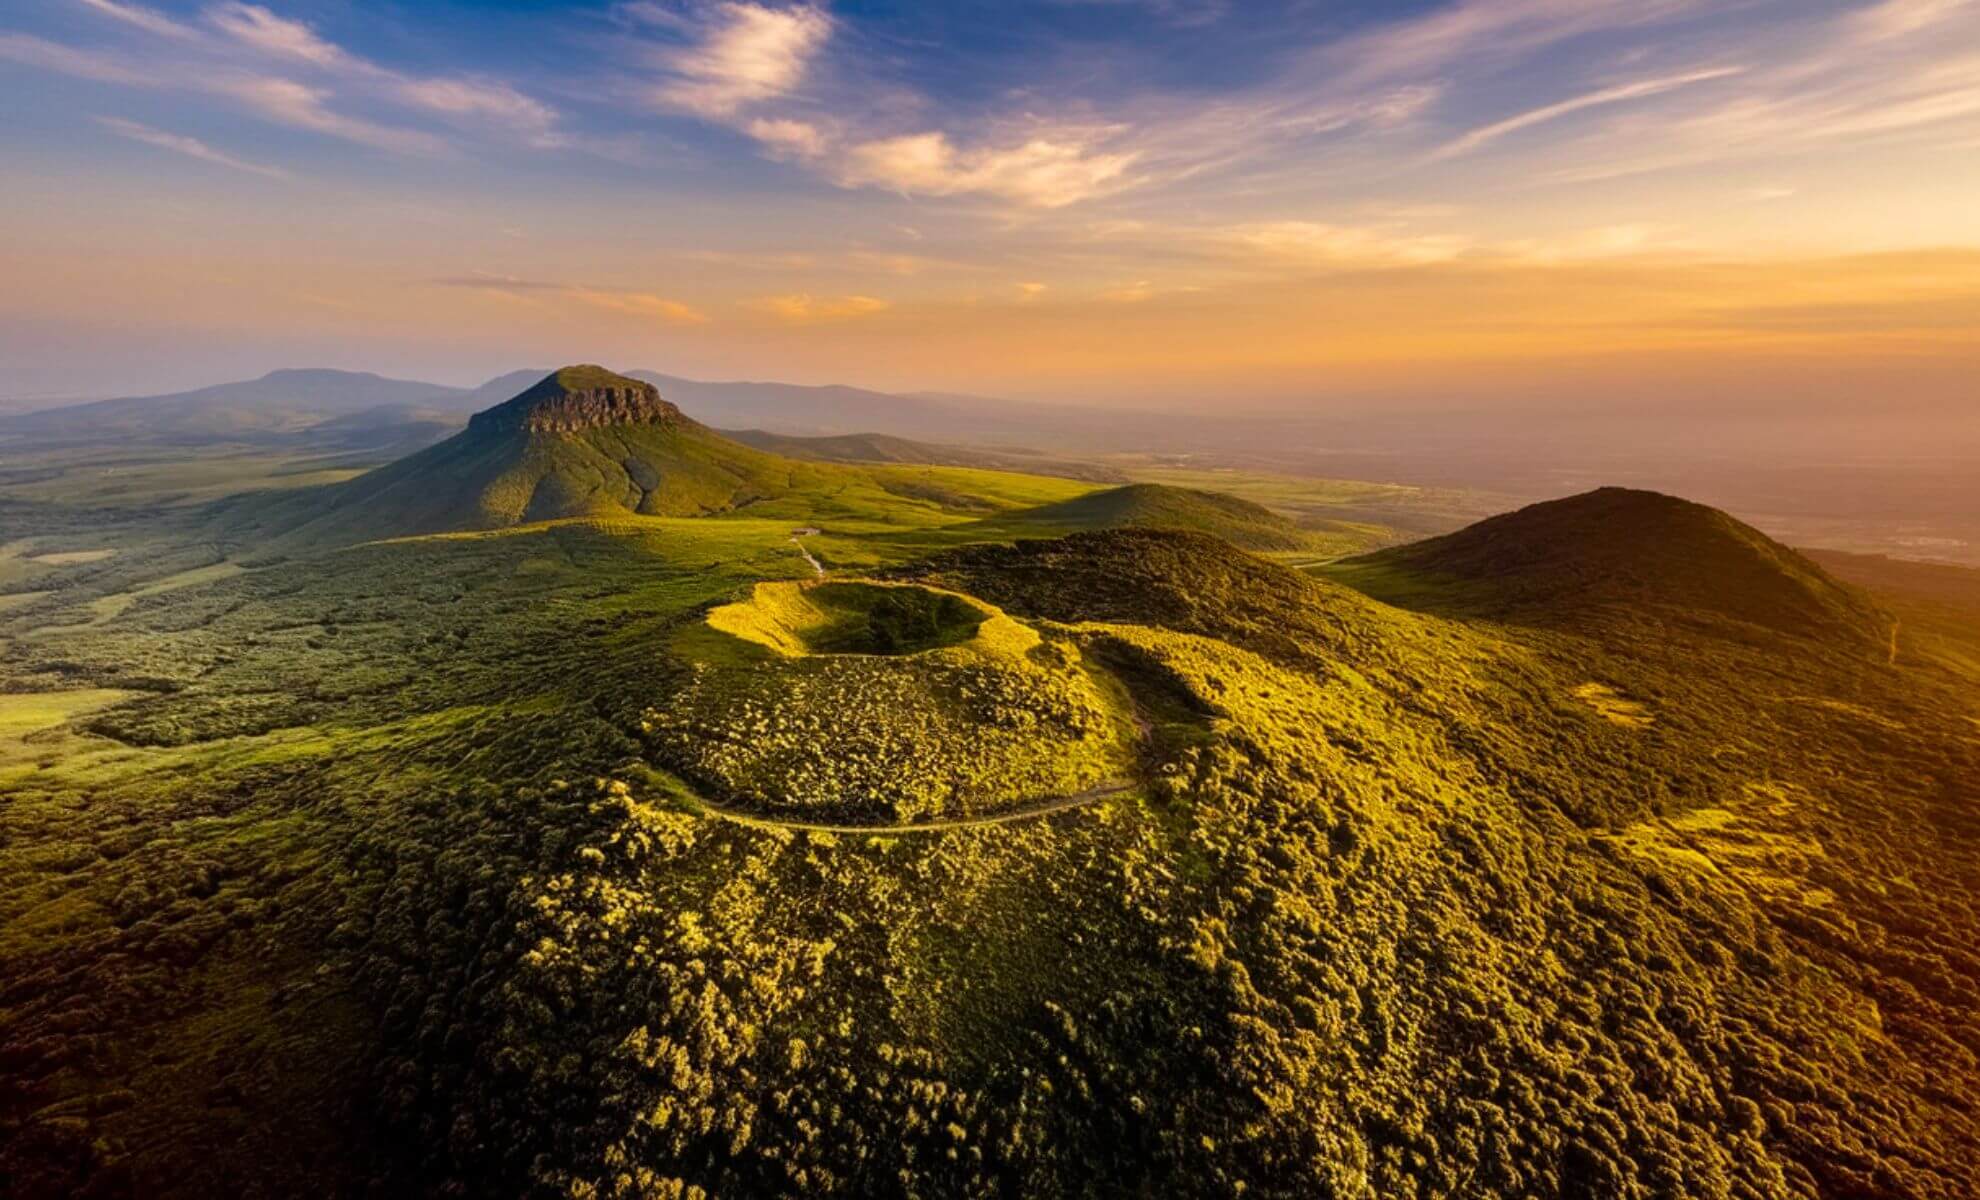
1617 549
1160 506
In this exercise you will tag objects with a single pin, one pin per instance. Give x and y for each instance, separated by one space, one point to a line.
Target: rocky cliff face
578 398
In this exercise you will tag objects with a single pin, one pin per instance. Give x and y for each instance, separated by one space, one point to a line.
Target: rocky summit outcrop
577 398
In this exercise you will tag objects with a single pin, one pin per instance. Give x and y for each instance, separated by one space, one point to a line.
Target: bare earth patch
71 558
1614 706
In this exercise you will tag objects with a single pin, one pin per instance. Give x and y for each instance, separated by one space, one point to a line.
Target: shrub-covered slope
1619 550
1336 952
1159 506
381 887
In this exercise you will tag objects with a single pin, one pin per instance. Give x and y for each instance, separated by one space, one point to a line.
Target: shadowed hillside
1620 552
1158 506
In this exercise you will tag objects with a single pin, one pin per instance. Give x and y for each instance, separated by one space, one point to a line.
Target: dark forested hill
1158 506
1622 551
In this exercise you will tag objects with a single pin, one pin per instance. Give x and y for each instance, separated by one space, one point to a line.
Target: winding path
1024 811
817 568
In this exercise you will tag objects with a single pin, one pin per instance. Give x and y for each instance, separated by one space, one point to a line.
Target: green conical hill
583 441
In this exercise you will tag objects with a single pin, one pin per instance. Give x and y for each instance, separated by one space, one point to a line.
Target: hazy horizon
1490 205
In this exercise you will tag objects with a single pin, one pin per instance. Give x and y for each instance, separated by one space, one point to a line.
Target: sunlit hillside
1117 599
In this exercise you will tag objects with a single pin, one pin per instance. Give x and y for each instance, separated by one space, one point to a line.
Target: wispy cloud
1901 18
240 47
1181 13
1370 84
255 26
1474 33
1616 94
300 106
31 51
787 138
801 307
192 147
1315 243
743 54
273 98
641 304
1889 71
1050 170
148 19
499 102
648 305
488 281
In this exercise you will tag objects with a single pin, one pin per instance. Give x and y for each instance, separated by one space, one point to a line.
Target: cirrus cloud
802 307
191 147
789 139
253 25
745 54
1046 171
649 305
149 20
1637 90
641 304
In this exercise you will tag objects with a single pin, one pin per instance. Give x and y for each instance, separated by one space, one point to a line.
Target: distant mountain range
351 410
279 404
1914 507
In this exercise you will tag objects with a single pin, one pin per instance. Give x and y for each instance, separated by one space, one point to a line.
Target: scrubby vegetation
1621 550
861 617
456 866
981 715
1158 506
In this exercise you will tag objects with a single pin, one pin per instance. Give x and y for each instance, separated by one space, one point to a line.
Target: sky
1766 206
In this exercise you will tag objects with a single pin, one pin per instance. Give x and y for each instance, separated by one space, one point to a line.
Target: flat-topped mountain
581 441
575 398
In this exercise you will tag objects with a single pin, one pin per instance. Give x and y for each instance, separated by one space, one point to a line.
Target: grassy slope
477 481
1400 913
882 448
